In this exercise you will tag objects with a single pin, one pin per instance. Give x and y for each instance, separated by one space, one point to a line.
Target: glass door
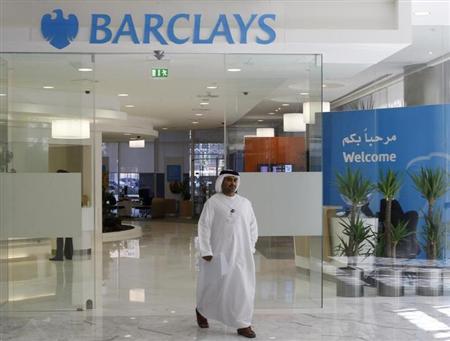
267 124
48 215
5 158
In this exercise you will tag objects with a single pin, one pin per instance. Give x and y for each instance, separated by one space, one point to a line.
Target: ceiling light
285 105
270 113
265 132
199 114
136 143
72 129
324 85
233 70
2 95
293 122
122 95
422 13
430 52
127 134
130 106
195 122
48 87
212 87
311 108
85 69
165 128
304 93
204 103
260 120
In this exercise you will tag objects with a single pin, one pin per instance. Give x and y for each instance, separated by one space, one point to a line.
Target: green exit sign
160 73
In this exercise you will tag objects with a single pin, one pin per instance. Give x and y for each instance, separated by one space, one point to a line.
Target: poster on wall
401 139
173 173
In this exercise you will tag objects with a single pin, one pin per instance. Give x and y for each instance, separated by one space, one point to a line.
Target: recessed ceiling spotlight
235 69
165 128
270 113
129 106
285 104
199 115
212 87
195 122
85 69
204 103
260 120
324 85
122 95
430 52
304 93
127 134
422 13
2 95
48 87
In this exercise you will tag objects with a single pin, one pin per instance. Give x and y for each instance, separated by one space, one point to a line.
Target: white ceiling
265 82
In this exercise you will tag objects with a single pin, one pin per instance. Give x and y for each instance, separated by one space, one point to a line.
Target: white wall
136 160
130 160
285 204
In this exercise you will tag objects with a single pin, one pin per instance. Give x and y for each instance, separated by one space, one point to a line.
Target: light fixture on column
311 108
293 122
137 143
265 132
72 129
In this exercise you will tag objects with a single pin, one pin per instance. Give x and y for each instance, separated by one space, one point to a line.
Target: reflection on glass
137 295
127 249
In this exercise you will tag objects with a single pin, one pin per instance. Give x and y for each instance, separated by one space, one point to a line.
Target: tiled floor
148 294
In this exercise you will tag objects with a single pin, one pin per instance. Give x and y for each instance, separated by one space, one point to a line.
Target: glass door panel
49 215
267 141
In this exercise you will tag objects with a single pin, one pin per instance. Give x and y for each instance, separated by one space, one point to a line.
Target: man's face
229 185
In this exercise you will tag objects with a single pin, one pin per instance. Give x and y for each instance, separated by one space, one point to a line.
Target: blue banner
401 139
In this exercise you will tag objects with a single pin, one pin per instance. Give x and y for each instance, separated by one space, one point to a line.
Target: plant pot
430 282
349 282
186 208
390 282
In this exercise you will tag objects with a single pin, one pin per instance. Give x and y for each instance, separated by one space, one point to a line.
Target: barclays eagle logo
59 32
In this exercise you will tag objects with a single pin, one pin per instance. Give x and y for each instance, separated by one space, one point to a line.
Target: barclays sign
60 32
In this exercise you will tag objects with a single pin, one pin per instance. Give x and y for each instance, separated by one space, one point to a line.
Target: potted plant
432 184
176 187
357 238
388 185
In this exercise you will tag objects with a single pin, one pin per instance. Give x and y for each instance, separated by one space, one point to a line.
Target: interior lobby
117 117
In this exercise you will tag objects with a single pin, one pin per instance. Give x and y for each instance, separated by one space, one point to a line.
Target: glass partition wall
269 110
245 112
47 181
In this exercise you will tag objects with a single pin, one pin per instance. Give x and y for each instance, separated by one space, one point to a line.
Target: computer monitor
282 168
264 168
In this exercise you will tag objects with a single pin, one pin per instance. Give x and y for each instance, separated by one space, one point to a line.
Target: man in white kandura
227 233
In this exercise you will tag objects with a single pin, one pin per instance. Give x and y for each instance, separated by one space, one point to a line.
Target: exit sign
160 73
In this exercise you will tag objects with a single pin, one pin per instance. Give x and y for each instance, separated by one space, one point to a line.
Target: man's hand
207 258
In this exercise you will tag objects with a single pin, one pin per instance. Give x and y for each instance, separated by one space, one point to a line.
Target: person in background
64 248
227 234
